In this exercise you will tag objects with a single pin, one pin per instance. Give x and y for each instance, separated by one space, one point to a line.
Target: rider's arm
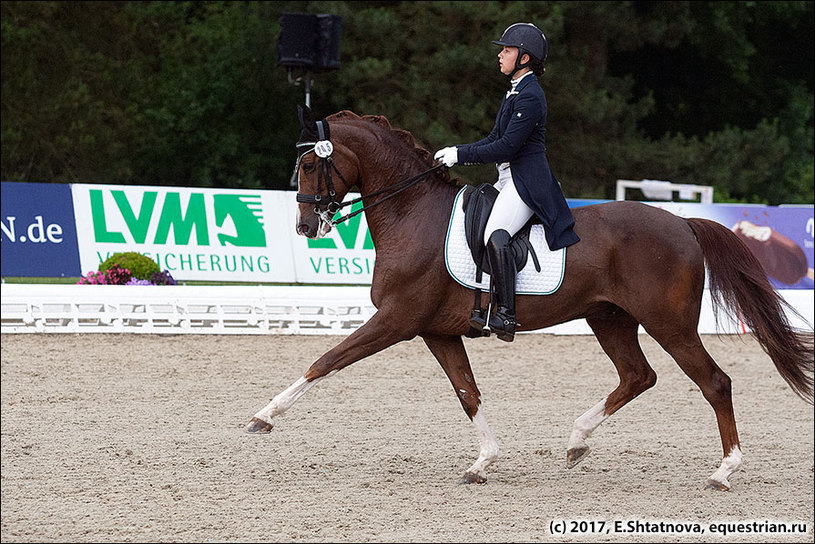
527 113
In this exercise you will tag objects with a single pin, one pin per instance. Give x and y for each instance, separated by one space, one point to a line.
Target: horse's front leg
375 335
450 352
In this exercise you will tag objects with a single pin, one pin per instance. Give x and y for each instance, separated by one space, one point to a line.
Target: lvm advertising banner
343 256
38 230
196 234
53 230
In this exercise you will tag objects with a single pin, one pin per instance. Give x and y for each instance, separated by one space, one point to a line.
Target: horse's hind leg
616 331
450 352
692 357
375 335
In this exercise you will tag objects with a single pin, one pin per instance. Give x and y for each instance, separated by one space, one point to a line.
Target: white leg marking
489 446
283 401
585 425
730 464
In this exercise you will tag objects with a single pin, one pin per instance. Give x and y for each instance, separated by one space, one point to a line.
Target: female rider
526 184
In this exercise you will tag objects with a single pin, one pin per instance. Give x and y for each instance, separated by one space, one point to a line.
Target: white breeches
509 213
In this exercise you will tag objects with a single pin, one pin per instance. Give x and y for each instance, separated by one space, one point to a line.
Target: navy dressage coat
519 137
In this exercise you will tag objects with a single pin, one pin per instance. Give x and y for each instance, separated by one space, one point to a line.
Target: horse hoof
472 478
259 426
575 455
717 485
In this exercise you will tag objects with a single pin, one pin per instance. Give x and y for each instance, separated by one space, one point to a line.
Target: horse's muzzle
307 223
313 229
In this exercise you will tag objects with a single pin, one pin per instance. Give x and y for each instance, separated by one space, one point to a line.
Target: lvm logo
238 219
205 233
342 251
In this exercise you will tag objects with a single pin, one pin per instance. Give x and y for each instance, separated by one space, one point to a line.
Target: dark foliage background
189 94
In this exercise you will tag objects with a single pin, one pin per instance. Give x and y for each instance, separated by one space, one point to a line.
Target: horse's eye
308 167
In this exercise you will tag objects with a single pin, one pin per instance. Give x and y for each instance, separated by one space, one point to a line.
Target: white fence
240 310
183 309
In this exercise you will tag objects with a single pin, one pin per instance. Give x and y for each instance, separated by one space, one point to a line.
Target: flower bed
128 269
116 275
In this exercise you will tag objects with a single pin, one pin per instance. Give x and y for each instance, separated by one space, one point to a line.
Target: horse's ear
306 117
308 124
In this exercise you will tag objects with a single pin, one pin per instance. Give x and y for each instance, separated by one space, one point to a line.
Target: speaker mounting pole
311 43
297 81
308 89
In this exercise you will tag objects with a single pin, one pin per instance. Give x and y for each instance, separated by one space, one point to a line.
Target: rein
324 149
396 187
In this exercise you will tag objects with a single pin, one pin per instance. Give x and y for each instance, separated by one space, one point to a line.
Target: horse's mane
403 136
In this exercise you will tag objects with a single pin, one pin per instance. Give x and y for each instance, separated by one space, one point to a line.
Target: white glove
448 156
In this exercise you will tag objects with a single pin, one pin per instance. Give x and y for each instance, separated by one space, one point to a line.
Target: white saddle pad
529 281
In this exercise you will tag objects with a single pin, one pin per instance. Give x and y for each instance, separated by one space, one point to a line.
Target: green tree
63 112
189 93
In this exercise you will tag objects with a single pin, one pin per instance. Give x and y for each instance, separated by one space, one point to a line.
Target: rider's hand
448 156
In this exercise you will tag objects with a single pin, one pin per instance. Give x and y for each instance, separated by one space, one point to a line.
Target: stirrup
503 325
478 321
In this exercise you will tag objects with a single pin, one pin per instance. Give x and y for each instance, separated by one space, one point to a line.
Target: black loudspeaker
297 44
328 42
309 41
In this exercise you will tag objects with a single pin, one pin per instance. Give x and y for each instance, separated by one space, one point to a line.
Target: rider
525 181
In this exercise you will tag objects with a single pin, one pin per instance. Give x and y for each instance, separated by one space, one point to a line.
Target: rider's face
507 58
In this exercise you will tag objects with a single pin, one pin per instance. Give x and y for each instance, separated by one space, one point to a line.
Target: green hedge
140 266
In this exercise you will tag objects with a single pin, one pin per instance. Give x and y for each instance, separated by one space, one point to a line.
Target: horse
635 265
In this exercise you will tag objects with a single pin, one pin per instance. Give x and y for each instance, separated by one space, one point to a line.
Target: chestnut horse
635 265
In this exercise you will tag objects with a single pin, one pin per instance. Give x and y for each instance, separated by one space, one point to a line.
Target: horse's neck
417 212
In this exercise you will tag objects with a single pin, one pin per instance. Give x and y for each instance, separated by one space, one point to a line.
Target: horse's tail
737 282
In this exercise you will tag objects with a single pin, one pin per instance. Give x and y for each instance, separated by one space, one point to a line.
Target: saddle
478 203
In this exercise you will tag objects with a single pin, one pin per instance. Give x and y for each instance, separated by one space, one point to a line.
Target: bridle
326 206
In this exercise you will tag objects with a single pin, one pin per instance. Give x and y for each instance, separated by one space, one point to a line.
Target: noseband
323 149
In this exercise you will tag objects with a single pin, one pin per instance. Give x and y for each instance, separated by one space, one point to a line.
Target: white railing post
663 190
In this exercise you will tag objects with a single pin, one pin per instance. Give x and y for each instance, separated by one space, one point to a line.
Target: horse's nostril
302 228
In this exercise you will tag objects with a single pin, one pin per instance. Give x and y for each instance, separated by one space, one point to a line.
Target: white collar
515 82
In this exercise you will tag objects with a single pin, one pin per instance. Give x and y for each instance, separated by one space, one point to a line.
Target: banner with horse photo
781 237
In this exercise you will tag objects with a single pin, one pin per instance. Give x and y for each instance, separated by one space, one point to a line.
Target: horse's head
326 171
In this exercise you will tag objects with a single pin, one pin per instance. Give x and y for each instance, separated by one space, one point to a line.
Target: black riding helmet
528 39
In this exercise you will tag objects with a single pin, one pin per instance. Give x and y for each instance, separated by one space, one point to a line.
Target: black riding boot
502 266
